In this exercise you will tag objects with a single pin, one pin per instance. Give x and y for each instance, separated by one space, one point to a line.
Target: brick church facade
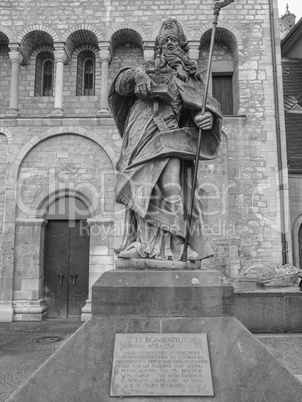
59 143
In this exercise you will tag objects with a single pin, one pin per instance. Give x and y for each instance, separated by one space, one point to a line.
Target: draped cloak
149 140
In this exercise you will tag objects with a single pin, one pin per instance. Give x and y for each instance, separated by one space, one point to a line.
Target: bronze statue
157 110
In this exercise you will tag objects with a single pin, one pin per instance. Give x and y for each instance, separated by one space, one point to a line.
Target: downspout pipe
278 134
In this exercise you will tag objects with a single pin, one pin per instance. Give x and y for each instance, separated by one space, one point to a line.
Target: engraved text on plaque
159 364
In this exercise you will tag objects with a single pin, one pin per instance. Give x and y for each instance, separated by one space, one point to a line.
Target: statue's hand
204 121
143 83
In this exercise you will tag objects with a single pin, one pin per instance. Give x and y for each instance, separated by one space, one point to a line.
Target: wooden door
78 270
66 268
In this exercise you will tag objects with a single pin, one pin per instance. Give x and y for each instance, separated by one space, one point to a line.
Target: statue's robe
149 140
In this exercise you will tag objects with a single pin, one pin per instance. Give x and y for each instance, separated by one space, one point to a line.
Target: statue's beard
177 59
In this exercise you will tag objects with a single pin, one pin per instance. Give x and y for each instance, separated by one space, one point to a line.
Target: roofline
285 42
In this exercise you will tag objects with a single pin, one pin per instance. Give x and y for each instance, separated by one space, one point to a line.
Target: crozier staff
151 179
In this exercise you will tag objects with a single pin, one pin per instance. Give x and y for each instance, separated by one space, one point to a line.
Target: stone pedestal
162 302
162 294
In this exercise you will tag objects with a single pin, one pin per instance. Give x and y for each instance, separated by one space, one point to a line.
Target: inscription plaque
157 364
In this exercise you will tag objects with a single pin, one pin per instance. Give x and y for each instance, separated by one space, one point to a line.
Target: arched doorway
66 257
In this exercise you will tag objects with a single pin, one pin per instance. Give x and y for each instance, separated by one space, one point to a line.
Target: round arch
43 204
7 133
33 39
79 38
226 131
86 48
4 38
43 49
124 26
7 34
90 196
223 25
83 27
17 159
295 235
125 35
222 35
41 27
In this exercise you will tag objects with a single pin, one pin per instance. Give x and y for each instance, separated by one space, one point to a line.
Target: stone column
28 293
194 50
105 57
60 59
149 50
194 55
16 59
101 254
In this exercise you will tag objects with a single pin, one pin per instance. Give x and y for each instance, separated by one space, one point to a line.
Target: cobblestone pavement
287 348
24 346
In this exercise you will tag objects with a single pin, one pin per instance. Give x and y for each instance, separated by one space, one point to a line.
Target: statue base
203 293
148 263
146 302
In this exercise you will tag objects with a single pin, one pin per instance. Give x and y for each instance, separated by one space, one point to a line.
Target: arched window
44 75
224 84
88 81
47 77
86 73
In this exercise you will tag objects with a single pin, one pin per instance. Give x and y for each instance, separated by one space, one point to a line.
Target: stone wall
240 187
56 163
128 54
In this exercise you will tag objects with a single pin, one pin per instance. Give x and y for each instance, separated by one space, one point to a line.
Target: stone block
22 294
30 284
167 293
96 268
101 259
99 250
270 309
6 311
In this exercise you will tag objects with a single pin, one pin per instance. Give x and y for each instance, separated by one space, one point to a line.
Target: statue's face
170 43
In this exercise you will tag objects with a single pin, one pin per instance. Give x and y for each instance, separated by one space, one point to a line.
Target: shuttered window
223 92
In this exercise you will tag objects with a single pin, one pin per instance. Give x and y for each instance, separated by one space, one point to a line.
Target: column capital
148 47
15 54
60 53
31 222
194 49
104 51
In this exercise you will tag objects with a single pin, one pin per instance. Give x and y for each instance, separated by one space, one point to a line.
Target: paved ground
24 346
287 348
